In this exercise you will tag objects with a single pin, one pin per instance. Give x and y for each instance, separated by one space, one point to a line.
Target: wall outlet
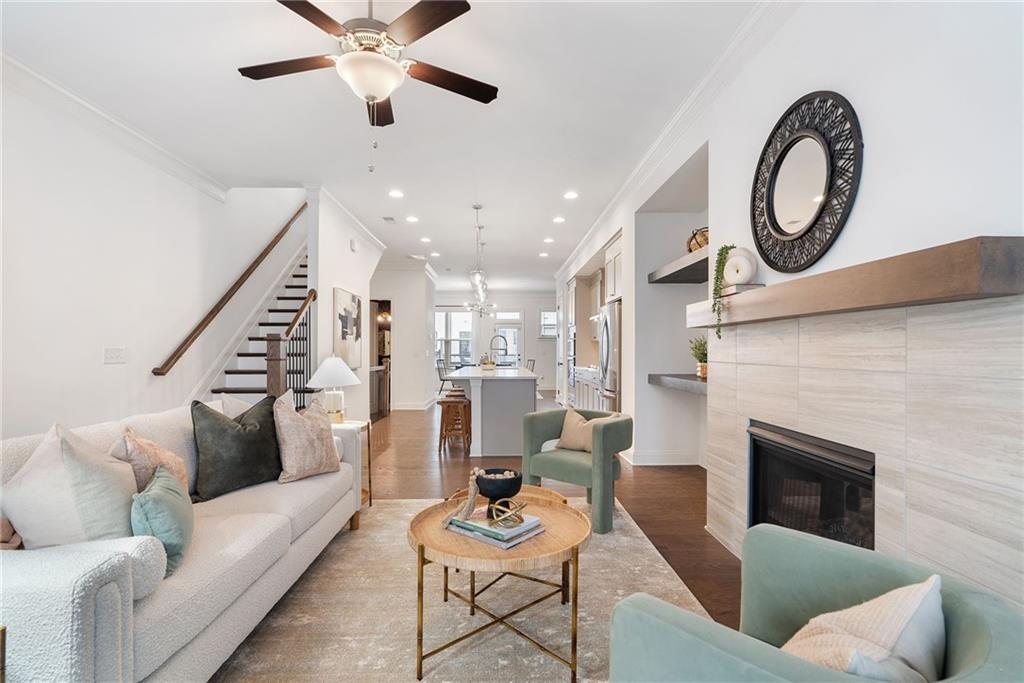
115 355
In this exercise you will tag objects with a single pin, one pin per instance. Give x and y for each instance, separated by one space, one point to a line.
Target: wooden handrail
222 302
310 298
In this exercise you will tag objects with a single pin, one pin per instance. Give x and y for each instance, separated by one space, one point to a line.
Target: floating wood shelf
975 268
690 269
679 382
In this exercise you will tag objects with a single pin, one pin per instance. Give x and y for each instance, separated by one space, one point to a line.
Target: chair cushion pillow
305 441
235 453
898 636
164 510
145 456
69 491
578 431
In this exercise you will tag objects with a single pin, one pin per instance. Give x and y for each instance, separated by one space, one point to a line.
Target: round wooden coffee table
566 531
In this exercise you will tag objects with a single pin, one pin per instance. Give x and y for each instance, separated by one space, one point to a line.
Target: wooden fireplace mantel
975 268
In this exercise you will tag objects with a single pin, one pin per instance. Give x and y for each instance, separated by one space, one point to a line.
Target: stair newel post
276 365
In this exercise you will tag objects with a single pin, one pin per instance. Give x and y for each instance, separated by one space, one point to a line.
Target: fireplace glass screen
811 485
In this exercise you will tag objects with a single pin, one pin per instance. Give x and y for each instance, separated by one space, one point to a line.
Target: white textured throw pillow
305 440
69 491
899 636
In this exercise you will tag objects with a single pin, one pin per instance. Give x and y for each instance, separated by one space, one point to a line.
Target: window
453 334
508 352
548 324
507 315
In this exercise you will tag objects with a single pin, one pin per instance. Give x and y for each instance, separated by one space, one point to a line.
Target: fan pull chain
371 167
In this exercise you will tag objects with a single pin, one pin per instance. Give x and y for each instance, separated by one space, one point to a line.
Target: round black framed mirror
806 181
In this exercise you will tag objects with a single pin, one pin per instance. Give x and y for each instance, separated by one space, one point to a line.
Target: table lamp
331 376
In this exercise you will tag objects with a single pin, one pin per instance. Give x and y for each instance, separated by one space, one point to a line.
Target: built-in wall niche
380 331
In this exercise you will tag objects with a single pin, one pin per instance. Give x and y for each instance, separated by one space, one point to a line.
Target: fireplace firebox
812 485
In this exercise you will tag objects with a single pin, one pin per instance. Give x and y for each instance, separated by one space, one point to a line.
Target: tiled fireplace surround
936 392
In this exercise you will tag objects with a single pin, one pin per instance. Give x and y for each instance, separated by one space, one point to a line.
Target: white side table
362 426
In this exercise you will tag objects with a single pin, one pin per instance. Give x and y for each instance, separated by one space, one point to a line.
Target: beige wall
936 392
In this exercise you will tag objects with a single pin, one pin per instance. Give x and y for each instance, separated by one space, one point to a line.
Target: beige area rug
352 616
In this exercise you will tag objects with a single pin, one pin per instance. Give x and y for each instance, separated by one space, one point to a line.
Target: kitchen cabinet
596 302
613 271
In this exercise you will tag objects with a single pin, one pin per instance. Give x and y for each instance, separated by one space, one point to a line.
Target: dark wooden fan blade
380 113
456 83
315 16
288 66
424 17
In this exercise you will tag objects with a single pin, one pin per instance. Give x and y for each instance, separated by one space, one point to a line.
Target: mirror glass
800 185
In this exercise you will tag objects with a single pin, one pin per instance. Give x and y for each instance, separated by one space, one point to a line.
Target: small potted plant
699 350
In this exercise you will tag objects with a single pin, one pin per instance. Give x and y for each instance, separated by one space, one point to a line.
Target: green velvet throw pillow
164 510
234 453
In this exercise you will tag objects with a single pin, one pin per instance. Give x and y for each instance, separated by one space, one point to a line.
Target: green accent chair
597 471
789 577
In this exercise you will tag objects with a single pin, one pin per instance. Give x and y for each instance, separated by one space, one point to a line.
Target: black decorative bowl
496 489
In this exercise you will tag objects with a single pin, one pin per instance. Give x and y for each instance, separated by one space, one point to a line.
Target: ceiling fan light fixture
371 75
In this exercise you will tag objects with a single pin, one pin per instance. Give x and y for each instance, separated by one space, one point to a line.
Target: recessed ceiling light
571 194
543 254
549 240
396 194
425 240
412 219
417 257
434 254
558 219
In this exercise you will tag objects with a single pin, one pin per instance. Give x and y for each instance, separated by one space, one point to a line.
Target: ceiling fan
371 58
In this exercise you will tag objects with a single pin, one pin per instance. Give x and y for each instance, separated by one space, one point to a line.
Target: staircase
247 374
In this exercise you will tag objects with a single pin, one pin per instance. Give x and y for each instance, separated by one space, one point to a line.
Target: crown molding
22 78
358 223
761 22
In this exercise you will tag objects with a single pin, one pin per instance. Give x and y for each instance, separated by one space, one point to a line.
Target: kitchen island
500 398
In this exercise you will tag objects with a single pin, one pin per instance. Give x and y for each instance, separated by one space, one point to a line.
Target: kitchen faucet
501 345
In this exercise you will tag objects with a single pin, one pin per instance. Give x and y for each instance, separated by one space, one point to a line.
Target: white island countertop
475 372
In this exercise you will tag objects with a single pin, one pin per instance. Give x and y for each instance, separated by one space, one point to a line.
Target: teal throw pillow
164 510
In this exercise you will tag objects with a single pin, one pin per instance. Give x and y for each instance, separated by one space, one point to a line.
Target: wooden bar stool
455 421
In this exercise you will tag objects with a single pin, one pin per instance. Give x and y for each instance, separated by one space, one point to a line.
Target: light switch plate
115 355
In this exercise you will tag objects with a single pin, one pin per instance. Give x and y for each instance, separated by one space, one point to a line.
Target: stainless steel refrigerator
610 354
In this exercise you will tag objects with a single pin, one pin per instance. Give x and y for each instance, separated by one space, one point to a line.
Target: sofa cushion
228 553
572 466
304 439
172 429
163 510
69 491
303 502
235 453
145 456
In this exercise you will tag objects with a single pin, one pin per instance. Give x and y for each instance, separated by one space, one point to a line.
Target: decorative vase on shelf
740 267
702 371
698 238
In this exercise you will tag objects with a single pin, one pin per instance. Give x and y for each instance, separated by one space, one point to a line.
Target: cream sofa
102 611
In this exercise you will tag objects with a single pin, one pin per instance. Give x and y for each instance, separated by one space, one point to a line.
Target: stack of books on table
478 528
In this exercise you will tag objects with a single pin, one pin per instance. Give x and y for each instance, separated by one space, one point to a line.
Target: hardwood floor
668 503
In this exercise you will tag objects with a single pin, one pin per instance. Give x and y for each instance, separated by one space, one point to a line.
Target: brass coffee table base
567 590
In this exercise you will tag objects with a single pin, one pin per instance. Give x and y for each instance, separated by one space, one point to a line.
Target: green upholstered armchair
597 471
789 577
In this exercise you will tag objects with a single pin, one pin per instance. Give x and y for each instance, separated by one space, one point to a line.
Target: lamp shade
372 76
333 372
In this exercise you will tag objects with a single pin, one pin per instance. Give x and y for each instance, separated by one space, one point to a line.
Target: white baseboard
722 542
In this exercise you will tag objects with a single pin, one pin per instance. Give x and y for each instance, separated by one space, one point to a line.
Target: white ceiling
584 89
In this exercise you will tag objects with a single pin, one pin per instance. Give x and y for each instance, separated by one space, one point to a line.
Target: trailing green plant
717 305
699 349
